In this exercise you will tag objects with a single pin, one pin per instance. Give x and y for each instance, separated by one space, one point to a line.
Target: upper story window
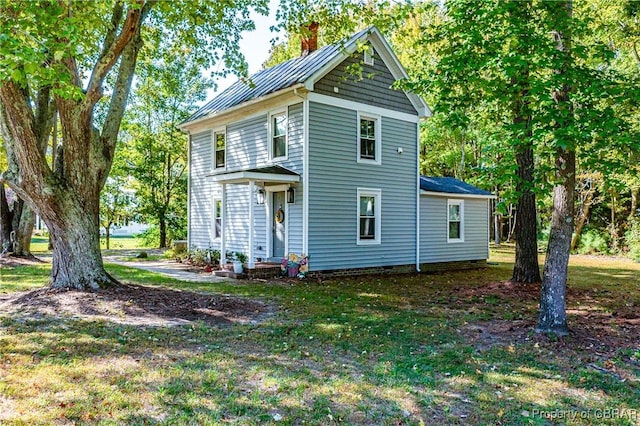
278 135
219 149
369 145
369 220
368 56
217 218
455 212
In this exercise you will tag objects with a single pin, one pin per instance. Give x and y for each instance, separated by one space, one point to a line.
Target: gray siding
373 87
335 175
247 144
434 227
200 212
247 147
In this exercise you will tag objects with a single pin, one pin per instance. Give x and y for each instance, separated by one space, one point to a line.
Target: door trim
269 208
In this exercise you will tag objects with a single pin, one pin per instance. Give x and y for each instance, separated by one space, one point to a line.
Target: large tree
63 55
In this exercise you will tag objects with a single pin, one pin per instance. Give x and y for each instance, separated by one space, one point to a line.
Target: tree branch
111 54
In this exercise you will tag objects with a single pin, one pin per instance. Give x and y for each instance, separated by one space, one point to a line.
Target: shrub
150 237
593 242
632 239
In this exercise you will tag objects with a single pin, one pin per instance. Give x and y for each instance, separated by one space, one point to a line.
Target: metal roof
450 185
276 78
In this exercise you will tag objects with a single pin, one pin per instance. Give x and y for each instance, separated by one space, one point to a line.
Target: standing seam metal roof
276 78
450 185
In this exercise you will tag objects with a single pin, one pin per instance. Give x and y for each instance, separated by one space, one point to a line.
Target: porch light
291 196
260 196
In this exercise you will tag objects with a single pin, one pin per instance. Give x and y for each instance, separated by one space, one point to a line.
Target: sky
255 46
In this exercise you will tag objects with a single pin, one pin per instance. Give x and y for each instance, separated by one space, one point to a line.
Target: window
369 139
278 132
369 219
455 212
220 142
368 56
217 218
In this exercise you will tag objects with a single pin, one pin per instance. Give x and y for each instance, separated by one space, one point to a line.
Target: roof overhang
275 174
456 195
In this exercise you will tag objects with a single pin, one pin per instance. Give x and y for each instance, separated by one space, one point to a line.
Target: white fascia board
241 176
219 114
455 195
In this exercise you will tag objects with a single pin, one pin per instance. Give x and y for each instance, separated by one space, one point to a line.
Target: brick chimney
309 39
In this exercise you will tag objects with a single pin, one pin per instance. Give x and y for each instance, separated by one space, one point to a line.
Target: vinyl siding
201 213
247 147
373 87
335 176
434 227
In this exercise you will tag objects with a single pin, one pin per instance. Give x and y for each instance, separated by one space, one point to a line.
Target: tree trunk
75 234
553 311
5 222
526 268
582 219
635 193
24 231
162 221
553 316
107 235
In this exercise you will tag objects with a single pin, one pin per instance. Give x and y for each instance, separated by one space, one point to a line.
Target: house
313 158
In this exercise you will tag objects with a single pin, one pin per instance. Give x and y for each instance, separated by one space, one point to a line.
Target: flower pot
237 267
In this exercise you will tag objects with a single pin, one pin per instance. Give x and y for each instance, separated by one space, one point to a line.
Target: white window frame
214 132
270 129
217 199
378 139
460 203
377 194
368 56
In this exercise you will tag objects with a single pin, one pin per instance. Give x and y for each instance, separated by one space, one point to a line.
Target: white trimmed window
369 145
217 218
278 135
368 56
219 149
369 216
455 221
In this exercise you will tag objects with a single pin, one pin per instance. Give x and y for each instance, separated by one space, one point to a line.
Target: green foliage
149 237
593 241
241 257
632 239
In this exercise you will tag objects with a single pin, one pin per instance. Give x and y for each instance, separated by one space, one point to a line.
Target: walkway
169 269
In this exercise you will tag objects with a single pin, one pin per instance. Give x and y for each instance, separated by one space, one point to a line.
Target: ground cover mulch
596 333
137 305
130 304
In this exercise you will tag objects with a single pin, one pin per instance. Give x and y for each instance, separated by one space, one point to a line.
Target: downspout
418 196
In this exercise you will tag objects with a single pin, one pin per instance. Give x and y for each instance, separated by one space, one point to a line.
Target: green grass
373 350
40 244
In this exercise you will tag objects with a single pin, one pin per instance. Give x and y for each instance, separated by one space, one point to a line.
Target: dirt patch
136 305
594 330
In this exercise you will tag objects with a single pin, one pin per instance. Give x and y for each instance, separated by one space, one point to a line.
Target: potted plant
240 259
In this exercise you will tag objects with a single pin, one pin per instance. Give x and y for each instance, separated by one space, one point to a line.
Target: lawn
40 244
415 349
